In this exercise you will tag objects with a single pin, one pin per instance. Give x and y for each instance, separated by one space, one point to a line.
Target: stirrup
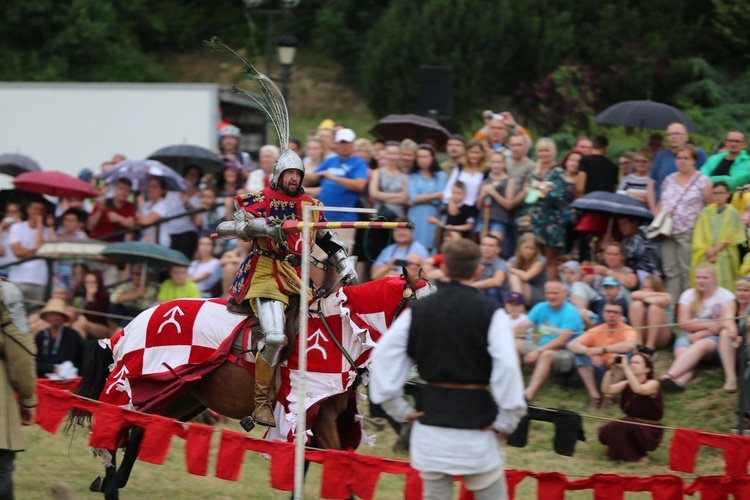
254 416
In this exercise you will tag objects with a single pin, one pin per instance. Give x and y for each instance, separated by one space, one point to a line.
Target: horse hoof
247 423
96 485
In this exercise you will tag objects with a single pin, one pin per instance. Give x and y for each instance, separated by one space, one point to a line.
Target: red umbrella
54 184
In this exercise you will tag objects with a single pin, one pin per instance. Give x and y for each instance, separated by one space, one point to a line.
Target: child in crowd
178 286
458 216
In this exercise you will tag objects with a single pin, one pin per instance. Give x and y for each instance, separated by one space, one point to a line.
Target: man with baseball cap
342 178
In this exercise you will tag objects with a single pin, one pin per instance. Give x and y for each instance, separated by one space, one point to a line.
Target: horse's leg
128 459
107 484
325 429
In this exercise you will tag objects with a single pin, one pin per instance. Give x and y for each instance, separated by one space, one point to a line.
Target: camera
400 262
618 359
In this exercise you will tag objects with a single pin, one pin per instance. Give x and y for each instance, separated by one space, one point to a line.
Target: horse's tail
96 364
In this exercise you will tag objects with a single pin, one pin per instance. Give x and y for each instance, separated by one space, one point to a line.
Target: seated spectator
557 321
717 236
580 294
641 254
641 401
610 293
395 255
57 343
648 314
458 216
178 286
132 298
492 279
431 265
37 324
205 270
95 300
596 349
705 313
71 223
110 215
515 308
614 259
527 270
215 213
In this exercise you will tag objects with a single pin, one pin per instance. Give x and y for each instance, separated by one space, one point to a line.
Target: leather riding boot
264 375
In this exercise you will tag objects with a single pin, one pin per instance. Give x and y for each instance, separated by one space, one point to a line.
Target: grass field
50 459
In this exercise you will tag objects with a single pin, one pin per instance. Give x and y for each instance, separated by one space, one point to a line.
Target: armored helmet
288 160
230 131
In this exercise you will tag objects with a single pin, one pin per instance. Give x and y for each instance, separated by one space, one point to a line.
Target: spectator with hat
229 148
57 343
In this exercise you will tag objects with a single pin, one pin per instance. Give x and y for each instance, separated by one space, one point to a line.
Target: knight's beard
289 192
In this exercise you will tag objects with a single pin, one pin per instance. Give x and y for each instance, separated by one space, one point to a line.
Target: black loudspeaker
436 91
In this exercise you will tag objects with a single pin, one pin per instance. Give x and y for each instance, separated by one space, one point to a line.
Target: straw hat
55 306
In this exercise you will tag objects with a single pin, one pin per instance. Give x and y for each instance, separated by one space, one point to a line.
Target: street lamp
251 6
287 47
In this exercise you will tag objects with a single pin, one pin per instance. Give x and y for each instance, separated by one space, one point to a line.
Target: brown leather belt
452 385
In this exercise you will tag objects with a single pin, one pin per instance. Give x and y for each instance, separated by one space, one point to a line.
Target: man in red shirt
114 214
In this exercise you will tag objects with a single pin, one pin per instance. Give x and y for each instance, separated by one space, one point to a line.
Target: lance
294 226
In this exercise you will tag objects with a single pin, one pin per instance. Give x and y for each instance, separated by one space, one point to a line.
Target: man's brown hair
461 259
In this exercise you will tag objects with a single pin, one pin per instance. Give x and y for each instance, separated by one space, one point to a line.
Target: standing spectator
389 188
17 368
557 321
71 229
596 349
706 312
92 324
182 231
665 162
154 209
314 154
215 213
491 280
408 150
205 270
641 401
583 145
732 166
457 214
456 149
600 173
495 200
625 163
57 343
229 148
178 286
13 214
342 179
112 214
230 180
363 149
426 184
574 181
527 271
683 194
648 314
642 255
520 166
25 239
460 345
472 174
635 183
548 213
717 234
498 133
329 146
260 178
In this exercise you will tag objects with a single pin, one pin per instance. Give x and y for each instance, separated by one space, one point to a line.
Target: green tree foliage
731 21
435 33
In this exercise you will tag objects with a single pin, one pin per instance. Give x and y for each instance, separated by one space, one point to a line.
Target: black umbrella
415 127
182 156
644 114
14 164
607 203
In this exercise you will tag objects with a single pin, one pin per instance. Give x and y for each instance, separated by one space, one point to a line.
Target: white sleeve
390 369
506 381
255 181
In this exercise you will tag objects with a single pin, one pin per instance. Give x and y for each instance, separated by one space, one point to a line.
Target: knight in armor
268 281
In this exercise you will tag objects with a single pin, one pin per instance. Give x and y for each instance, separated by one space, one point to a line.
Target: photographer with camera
404 251
641 400
596 350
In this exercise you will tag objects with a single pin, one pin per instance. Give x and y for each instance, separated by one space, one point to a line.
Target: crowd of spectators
580 289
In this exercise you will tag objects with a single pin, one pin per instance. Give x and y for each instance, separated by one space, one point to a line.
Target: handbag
663 224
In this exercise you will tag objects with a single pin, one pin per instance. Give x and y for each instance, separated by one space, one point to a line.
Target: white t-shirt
712 306
175 205
197 268
513 322
162 208
33 271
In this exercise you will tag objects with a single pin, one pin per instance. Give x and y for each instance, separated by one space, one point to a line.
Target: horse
216 370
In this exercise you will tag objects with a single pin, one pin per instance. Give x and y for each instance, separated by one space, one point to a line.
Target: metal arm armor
337 255
247 228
